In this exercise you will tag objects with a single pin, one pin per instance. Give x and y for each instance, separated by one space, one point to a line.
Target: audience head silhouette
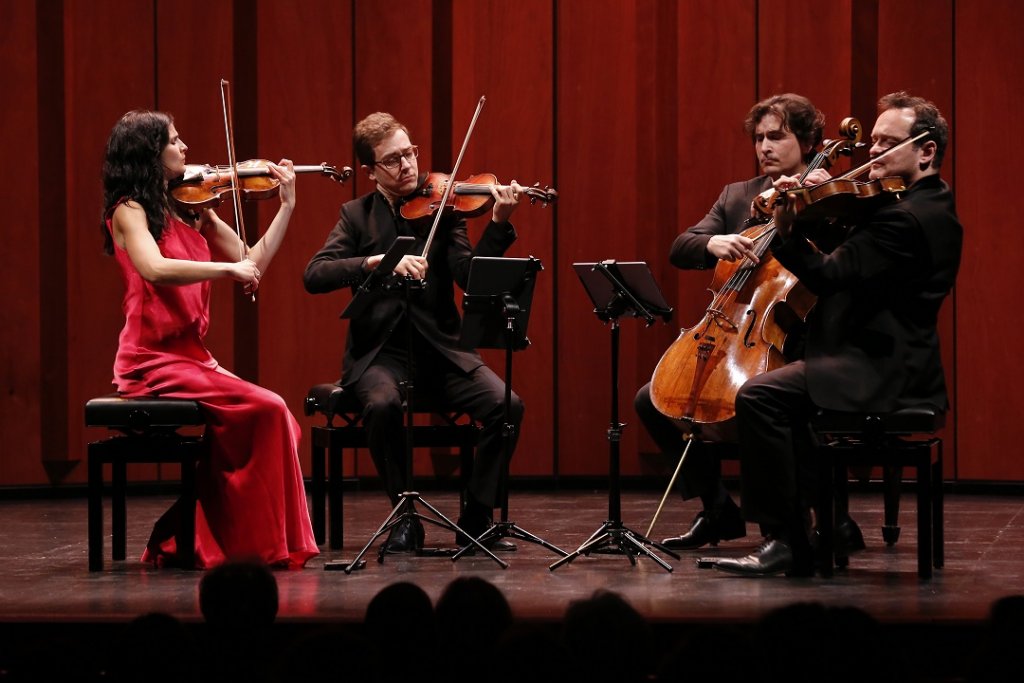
238 594
471 617
606 623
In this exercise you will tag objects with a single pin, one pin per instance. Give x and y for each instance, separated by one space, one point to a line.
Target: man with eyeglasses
785 130
376 358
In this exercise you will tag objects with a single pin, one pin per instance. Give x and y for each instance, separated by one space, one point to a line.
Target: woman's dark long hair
132 169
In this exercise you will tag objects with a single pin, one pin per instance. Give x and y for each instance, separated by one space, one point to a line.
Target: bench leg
924 516
185 540
828 465
938 510
892 480
318 455
95 511
335 493
118 513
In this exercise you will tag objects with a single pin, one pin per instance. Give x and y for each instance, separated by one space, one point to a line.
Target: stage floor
45 579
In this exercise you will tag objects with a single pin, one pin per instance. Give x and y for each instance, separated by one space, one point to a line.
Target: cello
754 308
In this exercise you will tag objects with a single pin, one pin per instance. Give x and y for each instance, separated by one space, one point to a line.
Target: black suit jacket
872 342
730 214
367 226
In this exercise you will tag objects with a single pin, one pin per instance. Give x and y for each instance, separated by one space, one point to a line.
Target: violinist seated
872 342
376 359
252 504
785 129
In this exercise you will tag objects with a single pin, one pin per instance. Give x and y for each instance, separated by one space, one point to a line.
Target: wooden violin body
844 197
203 186
468 198
741 335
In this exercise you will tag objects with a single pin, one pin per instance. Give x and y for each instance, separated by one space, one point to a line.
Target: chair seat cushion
923 419
145 412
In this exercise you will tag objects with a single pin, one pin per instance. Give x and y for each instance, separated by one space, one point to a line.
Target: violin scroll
334 174
548 195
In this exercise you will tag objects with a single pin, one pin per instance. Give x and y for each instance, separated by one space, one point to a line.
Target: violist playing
785 130
377 360
872 340
251 500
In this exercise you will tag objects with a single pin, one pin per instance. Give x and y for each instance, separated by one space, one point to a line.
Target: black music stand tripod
405 509
618 289
497 309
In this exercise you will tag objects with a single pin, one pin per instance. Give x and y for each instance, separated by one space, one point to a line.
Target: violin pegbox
546 195
334 174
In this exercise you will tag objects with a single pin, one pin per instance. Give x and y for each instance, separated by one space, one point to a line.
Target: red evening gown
252 505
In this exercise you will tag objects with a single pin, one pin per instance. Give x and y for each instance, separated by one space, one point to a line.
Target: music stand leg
505 528
613 534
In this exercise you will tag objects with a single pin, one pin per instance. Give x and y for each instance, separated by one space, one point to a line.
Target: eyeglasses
395 160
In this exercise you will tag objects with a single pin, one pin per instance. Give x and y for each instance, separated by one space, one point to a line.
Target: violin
466 198
844 197
203 186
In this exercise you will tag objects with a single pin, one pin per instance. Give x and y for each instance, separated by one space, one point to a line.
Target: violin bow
225 101
898 146
451 179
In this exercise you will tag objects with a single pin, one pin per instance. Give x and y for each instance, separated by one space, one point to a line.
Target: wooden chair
329 441
147 433
904 438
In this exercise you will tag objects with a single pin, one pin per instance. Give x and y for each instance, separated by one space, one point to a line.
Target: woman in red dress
252 504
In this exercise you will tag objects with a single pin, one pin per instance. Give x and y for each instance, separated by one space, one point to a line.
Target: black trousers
480 394
773 413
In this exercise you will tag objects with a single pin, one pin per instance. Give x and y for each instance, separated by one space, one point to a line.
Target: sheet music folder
399 248
491 277
607 281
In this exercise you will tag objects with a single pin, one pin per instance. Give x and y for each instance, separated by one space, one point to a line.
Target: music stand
496 304
618 289
405 509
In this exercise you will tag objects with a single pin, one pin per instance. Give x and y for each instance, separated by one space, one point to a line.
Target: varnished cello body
743 331
741 335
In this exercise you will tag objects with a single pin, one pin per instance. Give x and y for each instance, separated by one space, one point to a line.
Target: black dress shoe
497 544
774 556
706 530
405 537
847 538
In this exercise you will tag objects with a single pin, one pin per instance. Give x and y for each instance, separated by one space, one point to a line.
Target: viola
203 186
844 197
466 198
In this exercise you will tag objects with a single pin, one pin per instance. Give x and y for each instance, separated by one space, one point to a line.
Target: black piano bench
147 433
